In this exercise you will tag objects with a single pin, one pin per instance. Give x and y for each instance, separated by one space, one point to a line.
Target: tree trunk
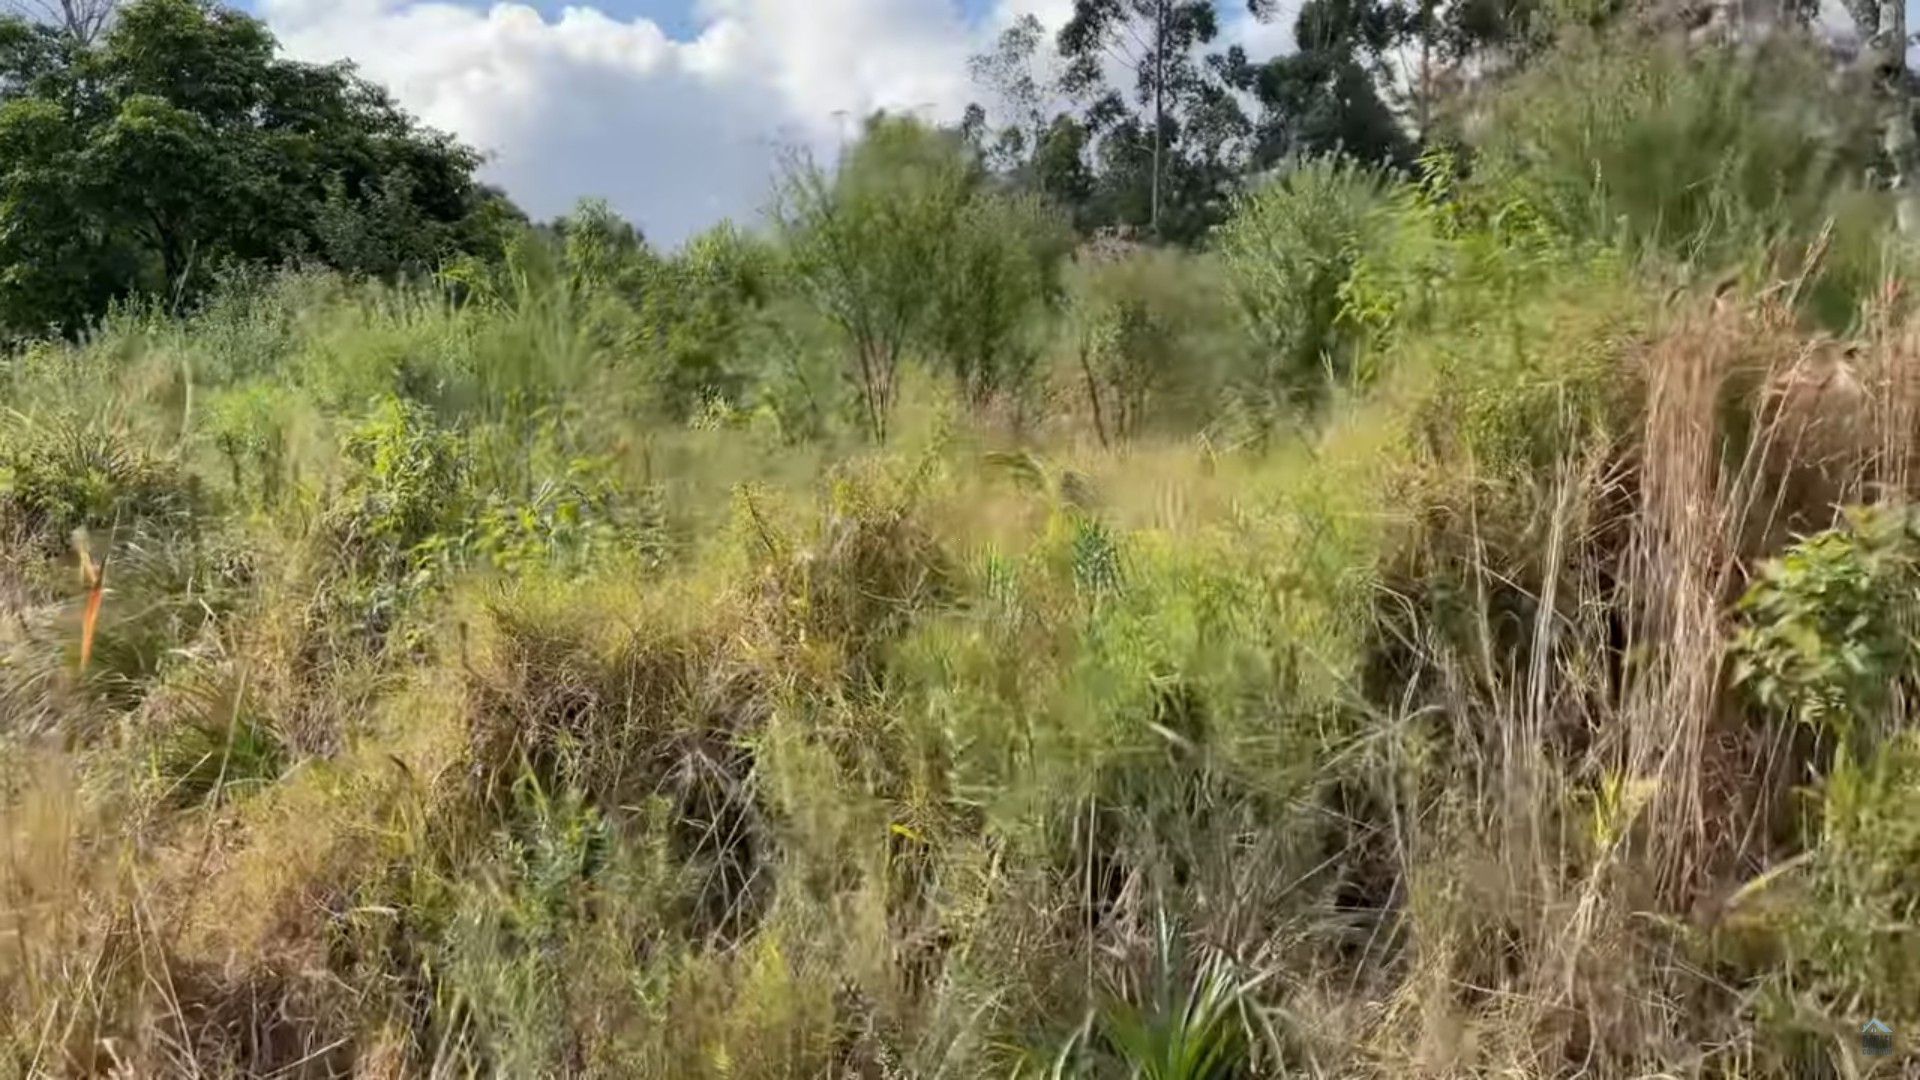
1426 68
1883 23
83 20
1093 396
1159 104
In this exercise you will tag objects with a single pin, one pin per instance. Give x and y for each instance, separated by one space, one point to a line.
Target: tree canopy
180 143
1132 116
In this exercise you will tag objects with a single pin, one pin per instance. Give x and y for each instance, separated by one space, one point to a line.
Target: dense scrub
1413 635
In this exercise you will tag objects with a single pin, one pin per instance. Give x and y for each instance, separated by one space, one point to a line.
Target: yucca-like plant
1186 1026
1199 1028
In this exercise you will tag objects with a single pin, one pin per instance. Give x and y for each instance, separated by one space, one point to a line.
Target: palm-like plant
1186 1028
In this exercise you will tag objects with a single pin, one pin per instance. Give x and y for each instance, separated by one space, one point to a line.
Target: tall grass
1516 700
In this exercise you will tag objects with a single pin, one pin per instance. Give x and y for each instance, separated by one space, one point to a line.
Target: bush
1151 341
406 489
997 279
697 310
864 243
1289 250
58 476
1826 935
1708 159
906 251
1827 630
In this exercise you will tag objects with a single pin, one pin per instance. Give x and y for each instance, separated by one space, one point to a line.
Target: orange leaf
95 576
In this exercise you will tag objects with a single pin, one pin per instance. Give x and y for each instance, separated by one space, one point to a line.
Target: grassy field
1413 636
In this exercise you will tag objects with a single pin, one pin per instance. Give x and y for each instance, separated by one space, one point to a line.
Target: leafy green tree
867 242
1290 251
1059 167
999 274
909 249
696 309
1025 77
1039 145
601 248
1325 97
180 143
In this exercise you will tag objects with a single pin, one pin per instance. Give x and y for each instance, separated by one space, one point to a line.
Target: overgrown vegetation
1414 632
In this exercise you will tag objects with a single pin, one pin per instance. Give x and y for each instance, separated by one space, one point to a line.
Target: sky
677 17
677 112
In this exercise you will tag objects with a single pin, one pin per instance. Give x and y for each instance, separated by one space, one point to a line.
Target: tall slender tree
1883 28
1022 76
1156 44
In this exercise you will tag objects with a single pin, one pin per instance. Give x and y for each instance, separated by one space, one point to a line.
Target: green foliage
1166 143
57 476
1149 335
1200 1034
699 309
1827 629
519 673
124 175
197 762
249 428
998 278
599 249
1324 98
905 251
574 522
1197 1026
1290 250
1847 943
1702 158
405 488
501 955
1827 930
864 241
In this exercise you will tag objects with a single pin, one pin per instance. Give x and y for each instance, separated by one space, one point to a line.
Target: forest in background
1234 569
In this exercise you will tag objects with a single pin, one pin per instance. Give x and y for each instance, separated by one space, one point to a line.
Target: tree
82 20
998 274
1883 26
180 143
1324 98
1154 41
868 243
1026 81
909 249
1040 146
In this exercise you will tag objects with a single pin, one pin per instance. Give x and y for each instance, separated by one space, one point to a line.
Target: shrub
405 492
1289 249
1151 341
1826 632
1827 932
864 243
58 476
996 279
1705 158
249 426
697 312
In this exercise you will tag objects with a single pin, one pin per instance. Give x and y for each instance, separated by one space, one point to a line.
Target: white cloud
676 134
